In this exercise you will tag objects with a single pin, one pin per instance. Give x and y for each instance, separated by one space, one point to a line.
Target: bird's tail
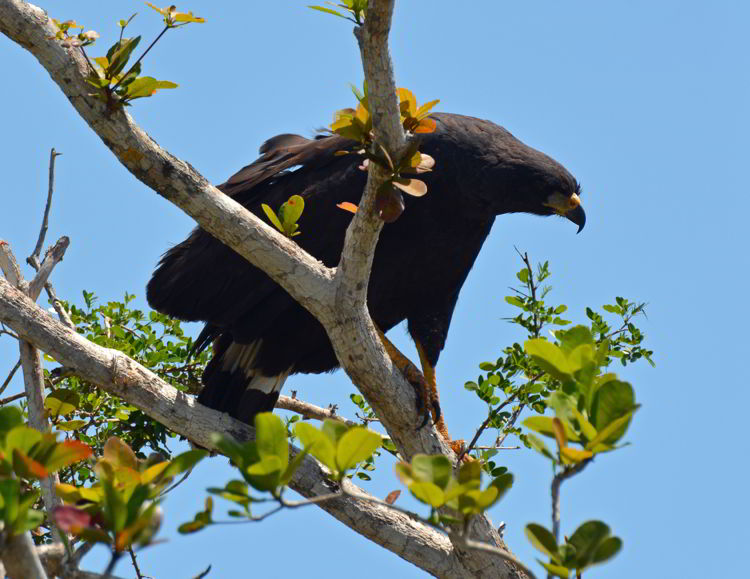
232 383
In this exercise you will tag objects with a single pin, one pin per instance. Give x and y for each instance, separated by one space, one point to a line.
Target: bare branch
53 257
9 265
45 220
563 475
13 398
310 410
10 376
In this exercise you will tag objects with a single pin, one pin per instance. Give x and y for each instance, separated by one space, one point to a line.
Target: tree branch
45 220
117 374
53 257
20 558
310 410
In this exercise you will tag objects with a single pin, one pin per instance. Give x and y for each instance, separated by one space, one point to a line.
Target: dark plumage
261 334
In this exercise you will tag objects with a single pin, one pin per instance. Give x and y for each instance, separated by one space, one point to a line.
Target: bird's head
528 181
503 175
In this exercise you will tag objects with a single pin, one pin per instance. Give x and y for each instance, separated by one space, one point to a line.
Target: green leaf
356 445
114 506
542 540
329 11
586 539
539 446
265 474
61 402
550 358
119 58
546 426
272 217
22 438
611 401
291 211
70 425
10 417
515 301
556 570
184 461
436 469
428 493
292 468
607 549
334 429
470 472
191 527
271 437
317 444
611 433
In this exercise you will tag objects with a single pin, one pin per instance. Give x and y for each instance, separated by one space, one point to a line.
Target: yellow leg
429 373
425 384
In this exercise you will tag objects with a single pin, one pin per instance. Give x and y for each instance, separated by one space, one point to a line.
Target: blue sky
645 102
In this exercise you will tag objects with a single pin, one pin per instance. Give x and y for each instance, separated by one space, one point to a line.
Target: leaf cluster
81 39
431 480
590 544
27 455
355 10
286 218
356 124
122 508
115 85
91 415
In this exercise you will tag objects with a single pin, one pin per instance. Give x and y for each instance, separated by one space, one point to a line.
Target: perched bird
261 335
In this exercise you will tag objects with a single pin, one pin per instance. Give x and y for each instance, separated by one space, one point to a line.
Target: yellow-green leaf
356 445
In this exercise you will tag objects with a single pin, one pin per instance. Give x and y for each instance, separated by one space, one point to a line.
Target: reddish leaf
27 467
426 126
389 203
392 496
67 453
71 519
346 206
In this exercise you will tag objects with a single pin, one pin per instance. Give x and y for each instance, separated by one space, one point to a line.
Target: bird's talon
436 412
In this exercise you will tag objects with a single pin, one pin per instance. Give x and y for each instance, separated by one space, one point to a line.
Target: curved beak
577 216
569 207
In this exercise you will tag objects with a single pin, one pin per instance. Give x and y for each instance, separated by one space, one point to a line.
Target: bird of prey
260 335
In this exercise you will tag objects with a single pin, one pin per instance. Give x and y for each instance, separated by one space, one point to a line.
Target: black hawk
261 335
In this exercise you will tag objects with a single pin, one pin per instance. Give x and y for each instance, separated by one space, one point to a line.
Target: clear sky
645 102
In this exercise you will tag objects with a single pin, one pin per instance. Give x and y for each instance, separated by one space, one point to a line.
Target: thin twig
9 399
486 423
10 376
509 424
135 563
310 410
50 188
140 58
563 475
497 447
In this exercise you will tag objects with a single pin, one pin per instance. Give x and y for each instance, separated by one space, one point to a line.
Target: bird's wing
202 279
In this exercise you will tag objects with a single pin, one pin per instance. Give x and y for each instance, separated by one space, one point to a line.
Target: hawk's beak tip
577 216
